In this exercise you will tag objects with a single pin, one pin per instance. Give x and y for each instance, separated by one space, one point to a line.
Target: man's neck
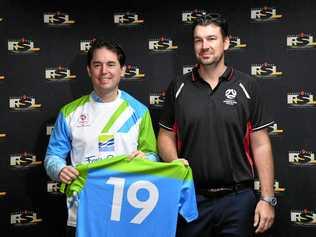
212 73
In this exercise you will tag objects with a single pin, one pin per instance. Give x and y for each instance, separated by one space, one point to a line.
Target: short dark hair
112 46
212 18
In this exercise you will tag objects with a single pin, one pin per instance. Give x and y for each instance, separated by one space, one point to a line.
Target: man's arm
147 144
167 146
262 152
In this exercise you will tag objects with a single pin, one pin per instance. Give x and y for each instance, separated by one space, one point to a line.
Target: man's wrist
272 200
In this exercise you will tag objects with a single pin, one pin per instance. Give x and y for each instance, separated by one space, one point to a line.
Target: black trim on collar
227 75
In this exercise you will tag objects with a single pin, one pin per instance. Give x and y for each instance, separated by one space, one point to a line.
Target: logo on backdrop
2 194
277 187
53 187
23 160
58 74
300 41
49 129
301 99
22 46
265 70
25 218
85 45
127 19
1 19
303 217
23 103
274 130
157 99
235 43
133 72
187 68
57 19
2 77
161 45
189 17
264 14
2 135
302 158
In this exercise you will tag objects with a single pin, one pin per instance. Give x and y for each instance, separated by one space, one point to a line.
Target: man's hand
184 161
264 216
137 153
68 174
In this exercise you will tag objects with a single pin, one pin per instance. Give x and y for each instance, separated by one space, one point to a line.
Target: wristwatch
271 200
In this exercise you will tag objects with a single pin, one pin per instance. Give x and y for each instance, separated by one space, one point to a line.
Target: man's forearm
167 145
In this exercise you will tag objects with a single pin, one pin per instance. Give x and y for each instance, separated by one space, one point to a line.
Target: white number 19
147 205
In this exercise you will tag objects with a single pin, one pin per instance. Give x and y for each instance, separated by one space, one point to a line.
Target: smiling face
209 44
105 72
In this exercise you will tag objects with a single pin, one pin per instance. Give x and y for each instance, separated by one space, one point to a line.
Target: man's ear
123 71
226 43
88 70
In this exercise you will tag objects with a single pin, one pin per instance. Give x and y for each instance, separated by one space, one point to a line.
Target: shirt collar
227 75
98 99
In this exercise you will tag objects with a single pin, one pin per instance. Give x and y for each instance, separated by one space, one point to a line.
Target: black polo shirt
213 126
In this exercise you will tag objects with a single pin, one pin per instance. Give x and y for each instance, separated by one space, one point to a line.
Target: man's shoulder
242 76
134 103
73 105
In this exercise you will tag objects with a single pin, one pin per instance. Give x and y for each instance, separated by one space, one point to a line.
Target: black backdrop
42 67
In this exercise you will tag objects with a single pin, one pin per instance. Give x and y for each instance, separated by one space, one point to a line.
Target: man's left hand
264 216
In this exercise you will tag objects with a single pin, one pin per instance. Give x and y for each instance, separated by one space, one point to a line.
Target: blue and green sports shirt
119 197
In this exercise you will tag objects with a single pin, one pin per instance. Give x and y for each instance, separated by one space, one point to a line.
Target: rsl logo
57 19
157 99
49 129
22 46
187 69
2 77
274 130
265 70
23 103
3 194
264 14
85 45
302 158
58 74
127 19
24 218
2 136
277 187
133 72
189 17
300 41
301 99
303 217
235 43
161 45
53 187
24 160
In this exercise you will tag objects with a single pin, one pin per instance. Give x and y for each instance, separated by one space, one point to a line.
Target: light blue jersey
117 197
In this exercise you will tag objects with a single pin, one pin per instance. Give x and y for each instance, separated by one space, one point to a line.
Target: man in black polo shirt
214 119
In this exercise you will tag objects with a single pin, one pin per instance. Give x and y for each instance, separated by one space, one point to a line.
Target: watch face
273 201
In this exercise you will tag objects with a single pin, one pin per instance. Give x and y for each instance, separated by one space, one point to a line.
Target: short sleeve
260 116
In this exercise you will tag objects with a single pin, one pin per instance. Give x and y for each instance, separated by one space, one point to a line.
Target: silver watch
271 200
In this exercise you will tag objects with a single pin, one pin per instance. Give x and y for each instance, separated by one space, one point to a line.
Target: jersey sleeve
147 139
260 116
58 148
187 204
167 118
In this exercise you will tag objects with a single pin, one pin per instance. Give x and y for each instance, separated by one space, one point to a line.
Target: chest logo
83 120
230 97
230 94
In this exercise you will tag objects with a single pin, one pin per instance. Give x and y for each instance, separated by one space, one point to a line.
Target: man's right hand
68 174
